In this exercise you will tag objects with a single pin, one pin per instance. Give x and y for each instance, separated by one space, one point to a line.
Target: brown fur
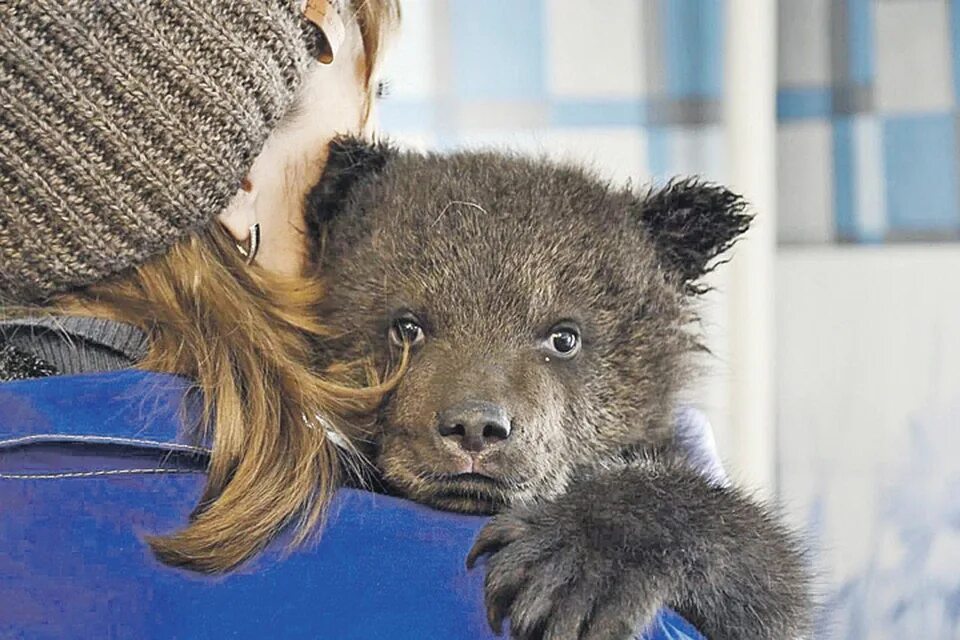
472 264
491 252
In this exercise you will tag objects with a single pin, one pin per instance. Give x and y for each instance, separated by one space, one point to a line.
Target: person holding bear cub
142 144
154 162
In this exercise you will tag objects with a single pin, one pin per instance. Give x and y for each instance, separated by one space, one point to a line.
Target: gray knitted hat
126 123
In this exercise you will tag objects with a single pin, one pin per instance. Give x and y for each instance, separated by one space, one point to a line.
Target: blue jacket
86 471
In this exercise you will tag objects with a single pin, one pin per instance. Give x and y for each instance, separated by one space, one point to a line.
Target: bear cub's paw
561 574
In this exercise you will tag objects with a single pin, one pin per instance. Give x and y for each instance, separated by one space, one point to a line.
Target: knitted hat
123 125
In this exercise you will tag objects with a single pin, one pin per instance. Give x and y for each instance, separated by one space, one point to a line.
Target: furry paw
561 575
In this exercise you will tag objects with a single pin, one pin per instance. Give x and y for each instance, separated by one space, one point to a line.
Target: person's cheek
333 101
335 96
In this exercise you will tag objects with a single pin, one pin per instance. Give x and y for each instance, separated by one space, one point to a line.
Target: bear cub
543 320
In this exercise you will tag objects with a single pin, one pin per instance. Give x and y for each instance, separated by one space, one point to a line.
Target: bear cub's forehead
508 190
485 207
494 237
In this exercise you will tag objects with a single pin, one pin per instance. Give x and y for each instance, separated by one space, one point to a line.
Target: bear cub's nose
475 425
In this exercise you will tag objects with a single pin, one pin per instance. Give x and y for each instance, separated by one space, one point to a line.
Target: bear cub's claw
546 575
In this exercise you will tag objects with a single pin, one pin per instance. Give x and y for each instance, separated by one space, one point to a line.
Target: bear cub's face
545 314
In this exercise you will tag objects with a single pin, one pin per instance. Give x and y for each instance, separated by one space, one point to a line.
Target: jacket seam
92 474
59 437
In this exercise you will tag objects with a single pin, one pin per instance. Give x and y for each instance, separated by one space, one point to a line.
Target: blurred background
834 384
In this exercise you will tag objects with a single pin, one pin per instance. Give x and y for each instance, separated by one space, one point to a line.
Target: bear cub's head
546 315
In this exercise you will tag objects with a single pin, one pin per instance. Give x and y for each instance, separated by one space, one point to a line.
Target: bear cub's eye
564 341
406 329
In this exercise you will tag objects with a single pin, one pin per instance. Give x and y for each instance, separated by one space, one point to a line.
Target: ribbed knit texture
123 125
77 344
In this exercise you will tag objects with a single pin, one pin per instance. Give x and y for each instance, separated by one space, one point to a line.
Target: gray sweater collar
77 344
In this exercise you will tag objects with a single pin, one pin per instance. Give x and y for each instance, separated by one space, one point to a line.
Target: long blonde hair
244 337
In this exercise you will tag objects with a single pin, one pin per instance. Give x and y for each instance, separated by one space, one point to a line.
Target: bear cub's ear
350 162
692 222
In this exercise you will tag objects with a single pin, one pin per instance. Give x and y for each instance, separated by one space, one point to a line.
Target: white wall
868 390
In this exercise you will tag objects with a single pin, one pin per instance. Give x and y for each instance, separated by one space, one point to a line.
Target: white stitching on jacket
90 474
60 437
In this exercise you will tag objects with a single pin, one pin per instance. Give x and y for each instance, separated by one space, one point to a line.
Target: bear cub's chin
461 497
467 492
